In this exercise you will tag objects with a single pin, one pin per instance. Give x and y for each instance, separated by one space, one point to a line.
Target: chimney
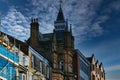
34 33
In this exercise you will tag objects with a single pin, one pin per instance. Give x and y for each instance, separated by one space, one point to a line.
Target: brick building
57 47
81 66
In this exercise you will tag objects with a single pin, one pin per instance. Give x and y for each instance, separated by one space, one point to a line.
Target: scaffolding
8 61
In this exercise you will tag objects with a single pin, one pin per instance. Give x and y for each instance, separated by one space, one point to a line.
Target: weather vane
60 2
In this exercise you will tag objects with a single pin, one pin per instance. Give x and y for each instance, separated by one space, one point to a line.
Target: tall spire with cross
60 14
61 23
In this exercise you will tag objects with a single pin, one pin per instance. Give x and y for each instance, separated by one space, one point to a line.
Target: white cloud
113 76
45 11
113 72
80 13
15 24
113 68
46 28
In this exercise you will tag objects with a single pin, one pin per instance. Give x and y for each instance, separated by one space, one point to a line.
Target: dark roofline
80 54
89 59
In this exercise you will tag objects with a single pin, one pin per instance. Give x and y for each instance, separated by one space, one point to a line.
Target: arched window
62 65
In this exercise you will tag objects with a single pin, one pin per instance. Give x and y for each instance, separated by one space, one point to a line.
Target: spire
60 2
71 28
67 25
60 14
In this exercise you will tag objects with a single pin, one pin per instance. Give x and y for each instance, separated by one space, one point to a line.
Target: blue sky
95 24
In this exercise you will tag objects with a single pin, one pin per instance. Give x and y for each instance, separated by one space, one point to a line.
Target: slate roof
47 37
45 45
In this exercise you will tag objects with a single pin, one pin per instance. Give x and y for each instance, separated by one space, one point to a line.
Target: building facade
39 67
21 70
49 56
97 70
9 61
81 66
57 47
19 64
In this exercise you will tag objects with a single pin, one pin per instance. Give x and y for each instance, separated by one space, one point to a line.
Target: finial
36 19
33 20
60 2
71 28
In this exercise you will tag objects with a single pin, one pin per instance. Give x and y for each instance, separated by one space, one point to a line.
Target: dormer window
6 39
